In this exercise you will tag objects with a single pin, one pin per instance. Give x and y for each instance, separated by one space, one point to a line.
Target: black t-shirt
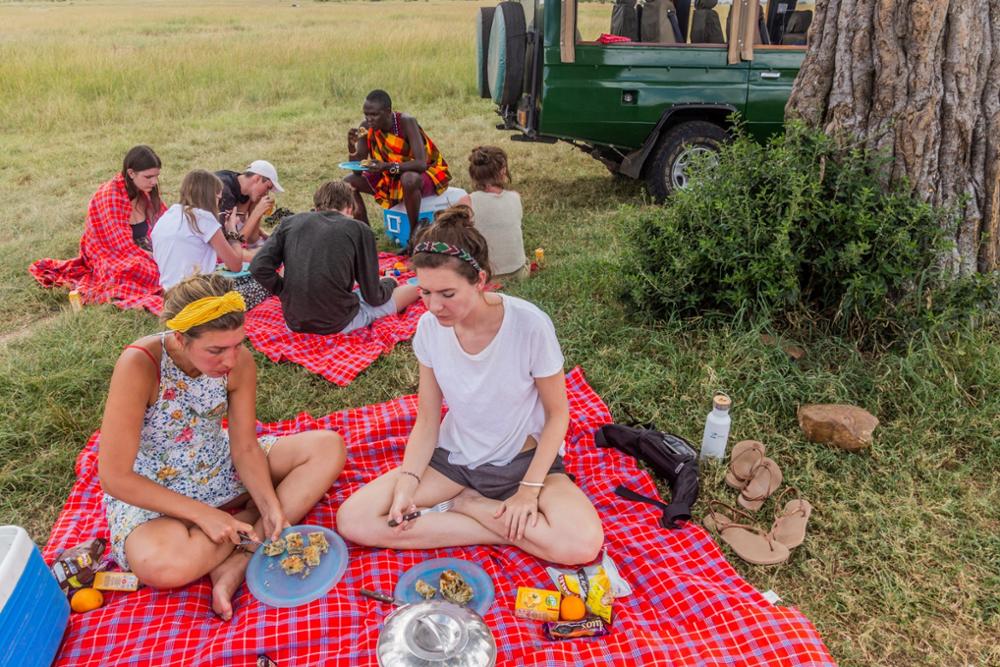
231 194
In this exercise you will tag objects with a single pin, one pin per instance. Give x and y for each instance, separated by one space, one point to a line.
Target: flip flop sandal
749 542
765 481
747 455
790 521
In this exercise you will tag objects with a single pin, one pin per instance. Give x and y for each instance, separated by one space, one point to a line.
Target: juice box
116 581
537 604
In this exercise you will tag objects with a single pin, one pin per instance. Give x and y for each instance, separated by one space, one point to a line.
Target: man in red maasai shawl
406 165
113 264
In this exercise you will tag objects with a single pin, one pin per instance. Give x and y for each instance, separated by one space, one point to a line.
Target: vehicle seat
706 28
658 22
761 37
796 28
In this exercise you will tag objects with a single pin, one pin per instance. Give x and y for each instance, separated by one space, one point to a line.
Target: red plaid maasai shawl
394 147
111 267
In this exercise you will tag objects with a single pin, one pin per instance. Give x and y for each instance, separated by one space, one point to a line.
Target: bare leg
568 530
167 552
412 183
404 295
303 467
364 517
360 184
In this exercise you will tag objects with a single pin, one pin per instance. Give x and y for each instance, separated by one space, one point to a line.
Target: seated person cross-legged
325 252
496 360
179 488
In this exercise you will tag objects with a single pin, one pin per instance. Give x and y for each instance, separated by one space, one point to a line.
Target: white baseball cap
267 170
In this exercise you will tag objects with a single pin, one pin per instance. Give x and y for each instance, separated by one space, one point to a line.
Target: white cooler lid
15 549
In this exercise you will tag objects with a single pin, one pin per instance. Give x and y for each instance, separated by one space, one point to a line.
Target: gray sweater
324 254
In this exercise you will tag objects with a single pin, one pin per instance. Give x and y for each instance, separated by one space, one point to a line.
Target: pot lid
436 634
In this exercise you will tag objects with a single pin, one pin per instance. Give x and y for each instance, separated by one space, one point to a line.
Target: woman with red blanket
115 263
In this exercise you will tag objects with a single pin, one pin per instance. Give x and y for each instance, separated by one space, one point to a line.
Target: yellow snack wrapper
600 598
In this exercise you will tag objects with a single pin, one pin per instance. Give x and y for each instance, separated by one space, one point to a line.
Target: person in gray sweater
325 252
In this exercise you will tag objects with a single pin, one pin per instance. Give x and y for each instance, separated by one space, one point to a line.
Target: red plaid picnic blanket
337 357
111 267
689 607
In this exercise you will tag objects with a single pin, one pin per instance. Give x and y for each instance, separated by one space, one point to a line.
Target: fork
443 506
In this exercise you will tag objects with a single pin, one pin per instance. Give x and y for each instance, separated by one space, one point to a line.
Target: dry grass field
902 560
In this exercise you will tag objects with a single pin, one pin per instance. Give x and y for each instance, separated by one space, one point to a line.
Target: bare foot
226 578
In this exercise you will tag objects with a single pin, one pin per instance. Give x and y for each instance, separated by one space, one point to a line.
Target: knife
381 597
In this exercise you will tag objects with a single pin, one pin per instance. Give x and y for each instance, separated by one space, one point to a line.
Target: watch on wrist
394 168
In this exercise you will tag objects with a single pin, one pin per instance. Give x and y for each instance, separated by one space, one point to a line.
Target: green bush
797 226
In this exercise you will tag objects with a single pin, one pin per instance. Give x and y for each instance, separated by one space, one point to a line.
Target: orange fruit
572 608
86 599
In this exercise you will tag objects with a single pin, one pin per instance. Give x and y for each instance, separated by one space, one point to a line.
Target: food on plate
368 162
311 555
293 565
454 588
274 547
318 539
293 542
425 590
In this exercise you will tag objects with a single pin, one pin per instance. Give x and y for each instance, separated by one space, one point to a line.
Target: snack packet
76 567
598 584
586 627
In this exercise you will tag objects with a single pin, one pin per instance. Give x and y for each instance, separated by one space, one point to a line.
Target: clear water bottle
713 442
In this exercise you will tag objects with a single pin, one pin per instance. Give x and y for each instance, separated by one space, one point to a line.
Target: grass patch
900 565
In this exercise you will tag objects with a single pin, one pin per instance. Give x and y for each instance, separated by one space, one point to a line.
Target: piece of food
86 599
572 608
293 542
274 547
318 539
311 555
292 564
587 627
454 588
537 604
425 590
367 162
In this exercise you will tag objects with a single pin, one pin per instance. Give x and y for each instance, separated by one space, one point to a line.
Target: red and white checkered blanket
689 607
111 267
337 357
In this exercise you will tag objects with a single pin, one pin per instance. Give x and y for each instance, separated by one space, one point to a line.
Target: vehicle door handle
770 75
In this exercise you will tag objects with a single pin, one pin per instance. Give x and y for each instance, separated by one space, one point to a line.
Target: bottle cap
721 402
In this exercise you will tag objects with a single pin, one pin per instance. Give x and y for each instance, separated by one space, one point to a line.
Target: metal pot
435 634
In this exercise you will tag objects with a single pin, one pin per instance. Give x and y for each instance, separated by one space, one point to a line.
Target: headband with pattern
442 248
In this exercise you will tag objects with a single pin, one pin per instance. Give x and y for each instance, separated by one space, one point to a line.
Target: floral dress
183 447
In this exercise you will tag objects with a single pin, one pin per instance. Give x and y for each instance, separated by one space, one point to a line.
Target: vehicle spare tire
508 41
484 22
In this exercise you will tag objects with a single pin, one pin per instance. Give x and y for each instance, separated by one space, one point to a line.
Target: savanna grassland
902 562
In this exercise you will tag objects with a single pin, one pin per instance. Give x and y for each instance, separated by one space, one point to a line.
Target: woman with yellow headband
179 488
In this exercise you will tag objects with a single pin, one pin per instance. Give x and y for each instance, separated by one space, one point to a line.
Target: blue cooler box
397 223
33 609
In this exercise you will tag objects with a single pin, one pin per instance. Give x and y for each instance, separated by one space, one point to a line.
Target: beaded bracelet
411 474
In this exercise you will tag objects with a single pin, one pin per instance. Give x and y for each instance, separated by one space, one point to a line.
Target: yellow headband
205 310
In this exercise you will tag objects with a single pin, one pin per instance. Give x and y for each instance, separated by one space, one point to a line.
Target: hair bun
459 215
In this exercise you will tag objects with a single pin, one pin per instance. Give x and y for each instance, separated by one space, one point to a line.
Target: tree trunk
920 81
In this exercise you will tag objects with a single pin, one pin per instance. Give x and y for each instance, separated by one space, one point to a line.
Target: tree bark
918 80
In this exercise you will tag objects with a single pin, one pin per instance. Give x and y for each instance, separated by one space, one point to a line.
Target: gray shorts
367 313
497 482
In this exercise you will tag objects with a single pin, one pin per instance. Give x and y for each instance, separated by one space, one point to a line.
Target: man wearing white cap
245 199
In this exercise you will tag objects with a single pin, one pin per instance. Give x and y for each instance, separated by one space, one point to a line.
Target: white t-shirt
498 219
179 251
493 404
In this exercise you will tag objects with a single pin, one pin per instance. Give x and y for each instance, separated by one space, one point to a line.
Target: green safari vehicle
666 79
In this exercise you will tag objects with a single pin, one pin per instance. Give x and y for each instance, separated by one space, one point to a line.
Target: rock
794 352
845 426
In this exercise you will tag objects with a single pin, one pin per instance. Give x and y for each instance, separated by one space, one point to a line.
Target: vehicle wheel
484 21
666 170
505 65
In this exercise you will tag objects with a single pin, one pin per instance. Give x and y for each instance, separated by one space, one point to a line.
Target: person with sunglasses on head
182 492
246 199
495 361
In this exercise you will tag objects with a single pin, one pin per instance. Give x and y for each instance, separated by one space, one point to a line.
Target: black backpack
670 456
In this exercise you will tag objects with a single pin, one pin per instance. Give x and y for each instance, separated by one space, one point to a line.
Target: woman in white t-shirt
495 360
190 239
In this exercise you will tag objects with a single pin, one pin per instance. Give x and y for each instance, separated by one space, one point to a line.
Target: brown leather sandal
790 520
747 455
749 542
766 480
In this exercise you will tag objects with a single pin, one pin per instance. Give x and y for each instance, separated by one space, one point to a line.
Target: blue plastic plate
430 571
412 281
221 269
269 583
354 165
